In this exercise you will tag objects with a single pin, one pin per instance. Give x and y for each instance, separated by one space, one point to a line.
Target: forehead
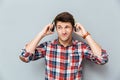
60 23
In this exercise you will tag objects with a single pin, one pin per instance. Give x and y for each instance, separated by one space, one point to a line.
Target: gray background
21 20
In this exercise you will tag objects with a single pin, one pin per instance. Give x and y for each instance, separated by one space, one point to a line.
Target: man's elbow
104 62
23 59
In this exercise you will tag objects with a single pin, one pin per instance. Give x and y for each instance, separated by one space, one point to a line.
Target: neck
65 43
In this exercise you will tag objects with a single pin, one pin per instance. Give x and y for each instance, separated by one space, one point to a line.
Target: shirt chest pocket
74 59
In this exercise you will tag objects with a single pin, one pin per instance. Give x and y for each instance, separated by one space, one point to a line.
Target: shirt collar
56 42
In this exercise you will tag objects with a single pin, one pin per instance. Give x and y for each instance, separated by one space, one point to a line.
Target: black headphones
53 27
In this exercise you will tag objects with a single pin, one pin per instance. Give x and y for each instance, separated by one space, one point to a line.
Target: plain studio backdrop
21 20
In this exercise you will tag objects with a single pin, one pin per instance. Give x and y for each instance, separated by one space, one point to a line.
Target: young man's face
64 30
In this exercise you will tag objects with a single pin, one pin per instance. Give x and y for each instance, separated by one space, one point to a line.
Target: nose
63 30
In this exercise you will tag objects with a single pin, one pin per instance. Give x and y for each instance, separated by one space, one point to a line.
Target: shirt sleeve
90 56
39 52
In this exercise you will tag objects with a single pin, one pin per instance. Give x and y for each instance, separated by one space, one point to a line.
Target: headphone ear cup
75 29
53 27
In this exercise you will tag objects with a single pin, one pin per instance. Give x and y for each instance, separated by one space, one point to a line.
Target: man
63 56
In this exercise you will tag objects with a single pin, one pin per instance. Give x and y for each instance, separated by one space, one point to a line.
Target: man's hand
80 30
47 30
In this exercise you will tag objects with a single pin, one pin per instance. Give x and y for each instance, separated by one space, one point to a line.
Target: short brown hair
64 17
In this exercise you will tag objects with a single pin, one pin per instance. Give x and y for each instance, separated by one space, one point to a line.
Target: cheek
59 33
69 31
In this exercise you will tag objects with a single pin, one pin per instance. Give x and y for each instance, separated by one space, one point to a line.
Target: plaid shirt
64 63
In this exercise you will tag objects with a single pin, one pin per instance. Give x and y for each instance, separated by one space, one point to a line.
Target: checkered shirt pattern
63 63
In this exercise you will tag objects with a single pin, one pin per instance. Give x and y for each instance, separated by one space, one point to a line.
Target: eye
67 27
59 27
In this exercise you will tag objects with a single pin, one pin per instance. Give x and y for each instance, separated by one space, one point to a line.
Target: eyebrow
60 25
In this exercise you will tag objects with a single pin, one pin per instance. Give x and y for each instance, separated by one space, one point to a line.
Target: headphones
53 27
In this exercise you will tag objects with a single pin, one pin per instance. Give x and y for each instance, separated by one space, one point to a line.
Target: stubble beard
64 39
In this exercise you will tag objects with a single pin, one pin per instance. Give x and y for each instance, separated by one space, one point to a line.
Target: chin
65 39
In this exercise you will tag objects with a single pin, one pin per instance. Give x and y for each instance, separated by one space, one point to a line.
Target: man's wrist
85 35
41 34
